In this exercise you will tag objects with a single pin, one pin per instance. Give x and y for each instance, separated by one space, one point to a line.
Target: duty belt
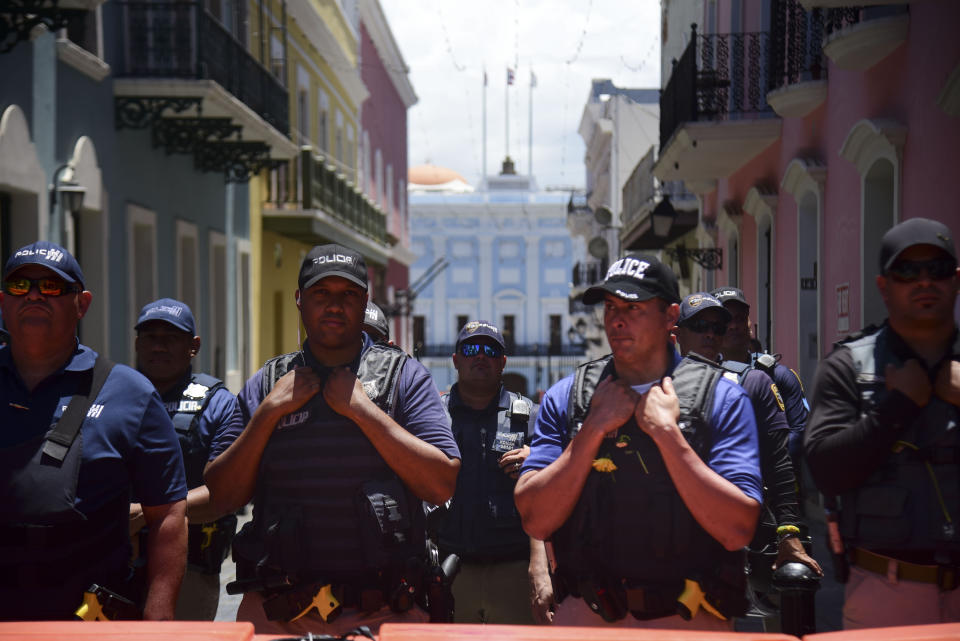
946 577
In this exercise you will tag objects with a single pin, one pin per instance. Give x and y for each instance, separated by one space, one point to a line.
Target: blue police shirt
419 408
128 440
734 454
766 409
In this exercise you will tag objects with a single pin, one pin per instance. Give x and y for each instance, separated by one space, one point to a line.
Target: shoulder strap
585 381
695 381
212 384
65 432
738 368
276 367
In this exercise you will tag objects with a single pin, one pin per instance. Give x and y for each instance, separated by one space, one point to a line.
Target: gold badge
776 395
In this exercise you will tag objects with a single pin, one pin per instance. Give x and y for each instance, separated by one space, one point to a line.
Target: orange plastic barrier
465 632
932 632
126 631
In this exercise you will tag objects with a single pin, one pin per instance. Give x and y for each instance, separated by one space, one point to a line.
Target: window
509 336
278 59
378 168
388 183
367 160
461 321
187 271
218 305
339 135
351 160
84 30
555 339
142 257
303 109
323 124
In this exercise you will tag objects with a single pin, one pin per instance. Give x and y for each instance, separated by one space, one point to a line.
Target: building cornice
372 17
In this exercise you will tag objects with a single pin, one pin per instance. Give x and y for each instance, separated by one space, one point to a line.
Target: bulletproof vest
327 506
49 551
482 520
185 415
630 527
738 369
905 503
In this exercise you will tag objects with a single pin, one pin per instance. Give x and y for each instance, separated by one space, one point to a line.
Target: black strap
65 432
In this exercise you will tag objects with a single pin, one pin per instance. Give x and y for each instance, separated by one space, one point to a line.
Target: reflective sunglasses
46 286
909 271
701 326
473 349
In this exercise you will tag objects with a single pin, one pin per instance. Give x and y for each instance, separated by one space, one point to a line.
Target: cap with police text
49 255
169 311
473 329
637 277
727 294
915 231
696 303
332 260
375 319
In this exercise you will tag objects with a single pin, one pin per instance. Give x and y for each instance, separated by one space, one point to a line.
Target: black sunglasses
46 286
701 326
909 271
473 349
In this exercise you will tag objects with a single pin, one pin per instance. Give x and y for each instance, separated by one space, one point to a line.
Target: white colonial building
503 253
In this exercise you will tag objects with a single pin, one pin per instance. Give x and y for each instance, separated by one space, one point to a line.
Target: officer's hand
911 379
947 386
612 405
293 390
658 409
791 550
542 603
344 392
511 461
137 520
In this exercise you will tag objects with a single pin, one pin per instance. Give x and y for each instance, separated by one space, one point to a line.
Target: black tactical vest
898 507
185 414
482 522
327 507
630 530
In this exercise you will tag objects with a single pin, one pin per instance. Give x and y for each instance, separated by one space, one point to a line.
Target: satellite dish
598 247
603 215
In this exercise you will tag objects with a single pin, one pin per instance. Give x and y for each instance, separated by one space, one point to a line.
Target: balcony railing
720 76
182 40
322 186
589 273
797 49
518 349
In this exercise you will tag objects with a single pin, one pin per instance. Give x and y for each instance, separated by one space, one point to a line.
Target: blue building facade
505 255
134 106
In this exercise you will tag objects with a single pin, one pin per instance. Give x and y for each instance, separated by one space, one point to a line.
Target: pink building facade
383 151
857 127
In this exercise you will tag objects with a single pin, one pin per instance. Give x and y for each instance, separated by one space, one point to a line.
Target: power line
446 38
583 35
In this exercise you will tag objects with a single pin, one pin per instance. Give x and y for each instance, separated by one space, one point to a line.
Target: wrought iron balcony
181 40
323 187
797 50
720 76
589 273
516 349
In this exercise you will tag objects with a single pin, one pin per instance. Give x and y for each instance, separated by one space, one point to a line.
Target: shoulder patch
195 390
733 378
802 391
776 395
370 389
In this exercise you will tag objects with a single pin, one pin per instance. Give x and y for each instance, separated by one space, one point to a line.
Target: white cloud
621 42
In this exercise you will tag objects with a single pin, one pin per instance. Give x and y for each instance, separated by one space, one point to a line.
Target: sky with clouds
566 43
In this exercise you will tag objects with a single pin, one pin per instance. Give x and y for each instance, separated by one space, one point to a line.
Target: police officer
79 434
700 328
737 346
375 324
644 472
344 437
883 436
204 412
482 526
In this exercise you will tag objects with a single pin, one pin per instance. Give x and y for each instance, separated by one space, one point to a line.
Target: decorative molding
862 45
371 15
82 60
760 202
869 140
803 175
20 166
799 99
949 98
729 218
84 169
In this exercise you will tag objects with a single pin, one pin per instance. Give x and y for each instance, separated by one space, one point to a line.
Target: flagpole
506 111
483 168
530 132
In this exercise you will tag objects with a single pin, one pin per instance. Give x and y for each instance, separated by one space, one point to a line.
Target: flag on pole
533 79
510 75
